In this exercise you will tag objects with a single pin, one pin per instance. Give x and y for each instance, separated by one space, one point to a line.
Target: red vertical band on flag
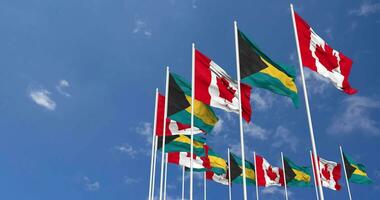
203 77
160 115
246 101
336 176
260 171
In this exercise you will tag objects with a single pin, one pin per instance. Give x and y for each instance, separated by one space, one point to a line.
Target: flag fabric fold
182 143
330 173
318 56
236 167
222 178
267 175
216 88
356 172
296 175
258 70
179 105
172 127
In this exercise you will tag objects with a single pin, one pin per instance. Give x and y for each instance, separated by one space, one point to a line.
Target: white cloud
218 128
142 27
262 100
41 97
315 83
91 185
366 8
127 149
356 115
256 131
145 129
62 84
194 4
275 191
130 180
283 137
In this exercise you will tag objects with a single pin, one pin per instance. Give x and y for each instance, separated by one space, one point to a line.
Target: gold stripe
217 162
358 171
249 173
301 176
187 140
202 111
284 78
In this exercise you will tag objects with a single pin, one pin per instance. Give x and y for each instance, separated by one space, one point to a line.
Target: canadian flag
222 179
330 174
320 57
266 174
184 159
172 127
214 87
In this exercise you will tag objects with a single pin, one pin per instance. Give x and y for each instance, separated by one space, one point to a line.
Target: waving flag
296 175
356 172
172 127
181 143
236 167
184 159
330 174
320 57
267 175
222 179
258 70
179 105
216 88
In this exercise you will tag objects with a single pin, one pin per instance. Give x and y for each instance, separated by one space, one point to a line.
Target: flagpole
283 171
183 182
153 141
192 118
315 180
229 175
345 173
164 133
154 166
204 186
166 174
307 106
257 184
240 110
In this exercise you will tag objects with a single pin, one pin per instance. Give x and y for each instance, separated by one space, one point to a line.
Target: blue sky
78 78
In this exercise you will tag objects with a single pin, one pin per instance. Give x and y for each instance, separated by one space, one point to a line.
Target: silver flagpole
166 174
257 184
153 150
345 173
315 180
164 133
204 186
183 182
154 166
229 175
283 170
240 110
192 119
307 105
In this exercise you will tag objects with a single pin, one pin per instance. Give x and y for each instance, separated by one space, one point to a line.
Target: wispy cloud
142 27
62 85
256 131
316 84
145 129
130 180
91 185
194 4
41 97
366 8
355 114
218 128
274 191
127 149
283 137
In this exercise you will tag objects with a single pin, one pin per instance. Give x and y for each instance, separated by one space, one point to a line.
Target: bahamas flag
237 170
182 143
258 70
296 175
356 172
213 162
179 105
